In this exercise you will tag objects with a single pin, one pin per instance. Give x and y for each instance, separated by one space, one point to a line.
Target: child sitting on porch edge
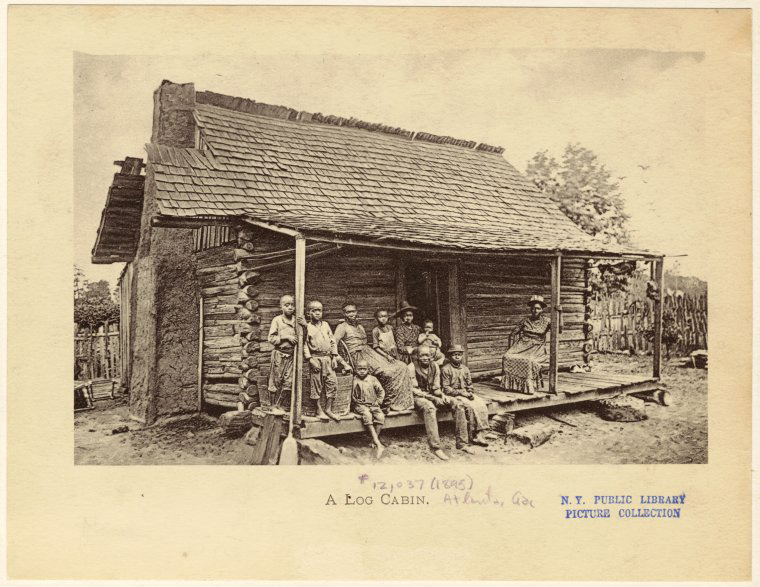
366 396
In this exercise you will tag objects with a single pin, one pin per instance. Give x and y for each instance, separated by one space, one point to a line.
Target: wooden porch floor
571 387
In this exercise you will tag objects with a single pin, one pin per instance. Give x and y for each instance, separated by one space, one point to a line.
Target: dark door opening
426 286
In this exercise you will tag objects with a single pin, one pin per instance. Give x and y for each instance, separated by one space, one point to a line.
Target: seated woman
521 364
392 373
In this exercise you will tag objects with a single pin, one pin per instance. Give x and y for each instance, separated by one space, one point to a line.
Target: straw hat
537 300
404 307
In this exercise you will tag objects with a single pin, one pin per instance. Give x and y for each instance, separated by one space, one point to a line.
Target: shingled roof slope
351 181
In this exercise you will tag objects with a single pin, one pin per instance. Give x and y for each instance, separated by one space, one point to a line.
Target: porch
571 388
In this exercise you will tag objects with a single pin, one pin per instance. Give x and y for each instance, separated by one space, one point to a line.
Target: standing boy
322 353
456 382
366 396
283 337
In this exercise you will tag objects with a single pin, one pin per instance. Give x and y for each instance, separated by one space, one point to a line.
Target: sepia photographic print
308 287
379 293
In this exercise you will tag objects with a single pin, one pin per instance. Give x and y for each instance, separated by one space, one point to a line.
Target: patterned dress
393 375
521 364
406 336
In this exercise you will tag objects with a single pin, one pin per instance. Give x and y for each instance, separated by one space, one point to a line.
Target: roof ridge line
248 106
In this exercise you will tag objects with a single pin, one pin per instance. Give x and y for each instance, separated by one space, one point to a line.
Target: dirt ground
673 434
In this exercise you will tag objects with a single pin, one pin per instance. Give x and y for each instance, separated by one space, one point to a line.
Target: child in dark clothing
366 396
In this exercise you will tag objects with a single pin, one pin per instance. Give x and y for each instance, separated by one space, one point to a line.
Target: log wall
242 282
365 277
496 295
241 291
218 280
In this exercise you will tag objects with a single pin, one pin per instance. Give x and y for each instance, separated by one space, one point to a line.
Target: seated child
456 382
429 339
383 339
366 396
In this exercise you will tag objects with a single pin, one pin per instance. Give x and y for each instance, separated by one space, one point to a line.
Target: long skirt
393 376
521 366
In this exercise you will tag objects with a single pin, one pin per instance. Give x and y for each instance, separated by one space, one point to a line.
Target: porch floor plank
571 388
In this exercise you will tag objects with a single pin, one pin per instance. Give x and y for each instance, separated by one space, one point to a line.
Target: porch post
300 292
400 282
659 279
457 319
554 313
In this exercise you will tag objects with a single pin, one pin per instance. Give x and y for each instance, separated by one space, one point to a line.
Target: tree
584 190
93 304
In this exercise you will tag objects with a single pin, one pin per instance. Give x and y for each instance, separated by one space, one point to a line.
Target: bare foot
330 414
380 450
467 448
322 416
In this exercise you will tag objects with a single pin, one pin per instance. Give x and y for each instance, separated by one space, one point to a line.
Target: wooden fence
622 323
96 354
125 305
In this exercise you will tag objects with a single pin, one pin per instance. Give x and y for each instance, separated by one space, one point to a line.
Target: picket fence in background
621 322
96 354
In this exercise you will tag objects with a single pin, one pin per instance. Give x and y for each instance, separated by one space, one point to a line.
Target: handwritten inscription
579 507
420 491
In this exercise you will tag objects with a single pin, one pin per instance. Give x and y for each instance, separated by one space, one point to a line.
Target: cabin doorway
426 287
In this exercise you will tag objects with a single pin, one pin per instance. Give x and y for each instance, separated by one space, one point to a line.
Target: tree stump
533 434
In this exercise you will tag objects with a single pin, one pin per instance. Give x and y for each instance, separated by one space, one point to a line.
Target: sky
641 112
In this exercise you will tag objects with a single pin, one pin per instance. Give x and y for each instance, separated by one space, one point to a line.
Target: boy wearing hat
407 333
456 382
428 399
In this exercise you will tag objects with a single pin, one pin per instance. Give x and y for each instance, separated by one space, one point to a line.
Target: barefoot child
456 382
429 339
383 340
366 396
322 353
282 336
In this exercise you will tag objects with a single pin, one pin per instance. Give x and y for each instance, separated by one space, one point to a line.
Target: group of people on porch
400 369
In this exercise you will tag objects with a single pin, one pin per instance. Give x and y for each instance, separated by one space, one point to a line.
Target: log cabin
240 202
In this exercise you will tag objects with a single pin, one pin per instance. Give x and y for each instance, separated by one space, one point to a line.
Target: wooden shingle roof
354 182
119 229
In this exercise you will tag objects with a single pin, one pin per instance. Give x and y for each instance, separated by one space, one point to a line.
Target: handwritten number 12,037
410 483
